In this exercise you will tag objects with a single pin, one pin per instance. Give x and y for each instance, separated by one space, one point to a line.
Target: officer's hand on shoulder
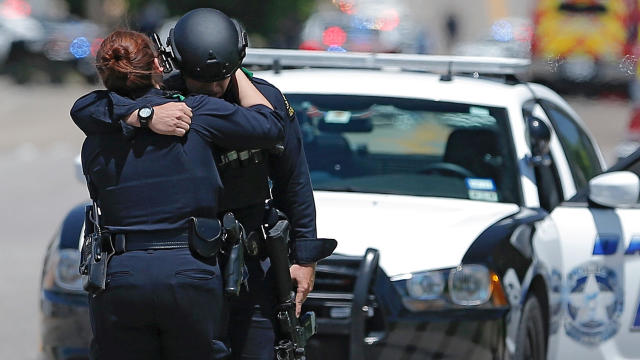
173 118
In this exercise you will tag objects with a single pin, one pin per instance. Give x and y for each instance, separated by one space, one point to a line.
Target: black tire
531 342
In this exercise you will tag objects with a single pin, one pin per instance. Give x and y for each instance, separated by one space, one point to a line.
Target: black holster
234 270
96 252
207 237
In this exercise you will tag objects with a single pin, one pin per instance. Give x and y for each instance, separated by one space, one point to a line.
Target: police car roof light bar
409 62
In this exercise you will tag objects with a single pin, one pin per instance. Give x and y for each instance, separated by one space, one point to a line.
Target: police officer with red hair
207 46
161 301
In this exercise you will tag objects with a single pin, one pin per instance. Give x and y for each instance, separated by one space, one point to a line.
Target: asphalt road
38 143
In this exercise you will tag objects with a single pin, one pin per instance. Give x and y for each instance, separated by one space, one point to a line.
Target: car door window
635 168
550 192
578 148
630 163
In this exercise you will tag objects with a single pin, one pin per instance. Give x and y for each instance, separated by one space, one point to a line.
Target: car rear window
408 147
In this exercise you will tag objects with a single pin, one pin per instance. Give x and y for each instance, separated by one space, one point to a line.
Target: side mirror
539 138
615 189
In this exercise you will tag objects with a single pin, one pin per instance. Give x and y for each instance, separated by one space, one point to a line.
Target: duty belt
237 158
150 240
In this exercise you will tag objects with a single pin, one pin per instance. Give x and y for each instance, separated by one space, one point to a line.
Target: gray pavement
38 143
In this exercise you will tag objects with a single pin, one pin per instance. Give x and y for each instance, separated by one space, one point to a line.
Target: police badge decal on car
594 304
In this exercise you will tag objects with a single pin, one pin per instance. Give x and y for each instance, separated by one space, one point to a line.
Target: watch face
145 112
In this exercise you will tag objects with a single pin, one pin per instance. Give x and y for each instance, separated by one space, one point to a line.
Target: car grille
333 296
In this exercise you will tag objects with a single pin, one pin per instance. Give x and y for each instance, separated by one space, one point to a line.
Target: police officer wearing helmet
205 60
214 57
157 299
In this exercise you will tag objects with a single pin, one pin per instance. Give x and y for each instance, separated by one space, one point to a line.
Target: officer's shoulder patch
290 110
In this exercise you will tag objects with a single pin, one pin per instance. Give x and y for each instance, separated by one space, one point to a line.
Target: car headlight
67 275
426 285
465 285
470 285
62 271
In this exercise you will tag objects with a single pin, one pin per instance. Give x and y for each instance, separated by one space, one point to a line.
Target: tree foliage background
278 21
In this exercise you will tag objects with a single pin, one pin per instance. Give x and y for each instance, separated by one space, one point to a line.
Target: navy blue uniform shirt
292 191
153 182
289 173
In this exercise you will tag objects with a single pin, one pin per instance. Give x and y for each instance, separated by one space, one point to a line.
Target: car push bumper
361 314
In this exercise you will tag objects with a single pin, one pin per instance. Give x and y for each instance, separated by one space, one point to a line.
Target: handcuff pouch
205 236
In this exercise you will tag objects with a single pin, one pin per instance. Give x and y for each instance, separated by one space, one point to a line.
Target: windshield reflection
407 147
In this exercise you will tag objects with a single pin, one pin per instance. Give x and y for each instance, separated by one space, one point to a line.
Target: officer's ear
156 66
156 74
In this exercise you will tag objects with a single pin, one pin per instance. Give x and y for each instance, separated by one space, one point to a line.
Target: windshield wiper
361 190
339 188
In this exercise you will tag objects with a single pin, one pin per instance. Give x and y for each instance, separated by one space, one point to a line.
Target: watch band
145 114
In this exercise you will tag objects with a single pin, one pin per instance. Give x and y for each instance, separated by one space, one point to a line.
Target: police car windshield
407 147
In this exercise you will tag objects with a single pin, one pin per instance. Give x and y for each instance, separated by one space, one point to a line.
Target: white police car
471 217
468 197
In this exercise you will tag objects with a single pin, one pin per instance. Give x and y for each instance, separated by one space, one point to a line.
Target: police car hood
411 233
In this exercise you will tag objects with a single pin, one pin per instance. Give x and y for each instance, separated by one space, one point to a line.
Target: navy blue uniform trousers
251 323
159 304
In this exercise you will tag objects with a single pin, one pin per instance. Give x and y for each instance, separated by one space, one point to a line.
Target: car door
584 159
601 273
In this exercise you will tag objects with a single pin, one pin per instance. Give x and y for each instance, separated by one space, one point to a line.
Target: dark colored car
64 309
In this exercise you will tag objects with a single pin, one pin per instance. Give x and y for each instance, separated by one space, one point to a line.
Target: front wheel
531 342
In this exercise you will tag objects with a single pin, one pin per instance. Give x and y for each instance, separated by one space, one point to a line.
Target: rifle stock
296 332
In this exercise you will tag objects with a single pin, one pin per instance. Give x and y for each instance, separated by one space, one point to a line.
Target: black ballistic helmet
207 45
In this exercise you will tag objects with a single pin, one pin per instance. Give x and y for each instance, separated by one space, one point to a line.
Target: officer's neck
230 94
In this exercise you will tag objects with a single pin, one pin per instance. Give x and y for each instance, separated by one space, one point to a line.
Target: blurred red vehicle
364 26
578 42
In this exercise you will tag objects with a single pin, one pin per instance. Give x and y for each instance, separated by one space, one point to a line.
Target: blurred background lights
311 45
361 22
95 45
334 36
15 9
502 30
80 47
524 33
388 20
346 6
334 48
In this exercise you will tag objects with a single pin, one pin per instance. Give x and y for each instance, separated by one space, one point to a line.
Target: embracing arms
225 124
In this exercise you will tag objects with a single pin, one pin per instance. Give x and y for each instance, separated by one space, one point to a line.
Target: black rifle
295 332
165 55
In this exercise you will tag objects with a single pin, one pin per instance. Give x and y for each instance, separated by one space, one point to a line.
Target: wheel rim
531 348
